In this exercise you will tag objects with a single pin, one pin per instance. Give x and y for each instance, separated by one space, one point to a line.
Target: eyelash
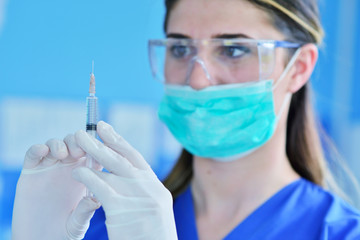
224 51
175 48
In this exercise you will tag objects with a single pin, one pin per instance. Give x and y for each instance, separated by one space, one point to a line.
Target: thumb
79 220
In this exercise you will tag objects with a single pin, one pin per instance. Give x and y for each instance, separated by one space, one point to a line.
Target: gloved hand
136 204
47 195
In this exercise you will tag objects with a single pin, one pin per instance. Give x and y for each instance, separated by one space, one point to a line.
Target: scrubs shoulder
301 210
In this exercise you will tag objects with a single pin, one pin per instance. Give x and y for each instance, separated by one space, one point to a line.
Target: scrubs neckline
245 226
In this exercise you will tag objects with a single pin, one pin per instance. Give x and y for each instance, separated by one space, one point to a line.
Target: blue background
46 49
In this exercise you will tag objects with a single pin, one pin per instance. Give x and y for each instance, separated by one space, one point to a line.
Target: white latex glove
47 195
136 204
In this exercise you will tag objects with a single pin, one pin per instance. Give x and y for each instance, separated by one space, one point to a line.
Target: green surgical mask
224 122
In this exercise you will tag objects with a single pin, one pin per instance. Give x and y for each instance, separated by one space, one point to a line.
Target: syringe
91 118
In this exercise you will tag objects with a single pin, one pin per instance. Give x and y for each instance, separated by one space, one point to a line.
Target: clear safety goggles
224 61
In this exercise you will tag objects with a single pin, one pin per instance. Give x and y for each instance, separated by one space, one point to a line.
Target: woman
252 167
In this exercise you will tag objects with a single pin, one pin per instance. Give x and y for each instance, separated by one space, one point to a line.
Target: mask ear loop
288 95
283 105
287 68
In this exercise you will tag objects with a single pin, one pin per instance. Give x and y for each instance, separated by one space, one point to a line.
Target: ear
303 67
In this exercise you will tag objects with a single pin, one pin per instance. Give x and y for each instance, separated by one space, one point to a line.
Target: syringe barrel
92 113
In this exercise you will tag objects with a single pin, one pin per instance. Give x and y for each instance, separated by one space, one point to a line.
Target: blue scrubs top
301 210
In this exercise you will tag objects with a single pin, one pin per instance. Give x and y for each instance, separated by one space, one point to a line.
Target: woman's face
207 19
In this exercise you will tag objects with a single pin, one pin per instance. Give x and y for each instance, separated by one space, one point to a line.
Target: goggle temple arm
287 68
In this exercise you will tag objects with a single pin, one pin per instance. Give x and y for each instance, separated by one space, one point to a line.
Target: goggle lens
224 61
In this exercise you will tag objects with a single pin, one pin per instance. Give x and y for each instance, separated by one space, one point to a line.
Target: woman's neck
241 179
230 191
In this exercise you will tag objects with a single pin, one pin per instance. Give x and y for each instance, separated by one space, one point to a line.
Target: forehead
208 18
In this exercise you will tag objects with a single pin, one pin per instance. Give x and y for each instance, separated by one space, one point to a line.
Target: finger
100 188
120 145
79 219
34 155
76 153
58 151
108 158
74 150
137 186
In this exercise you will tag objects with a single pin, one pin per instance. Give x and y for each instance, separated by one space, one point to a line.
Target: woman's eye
234 51
180 51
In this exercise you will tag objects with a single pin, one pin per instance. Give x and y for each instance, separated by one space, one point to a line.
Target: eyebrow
176 35
229 36
221 36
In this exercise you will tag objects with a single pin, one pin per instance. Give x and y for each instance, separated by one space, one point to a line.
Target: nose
198 76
